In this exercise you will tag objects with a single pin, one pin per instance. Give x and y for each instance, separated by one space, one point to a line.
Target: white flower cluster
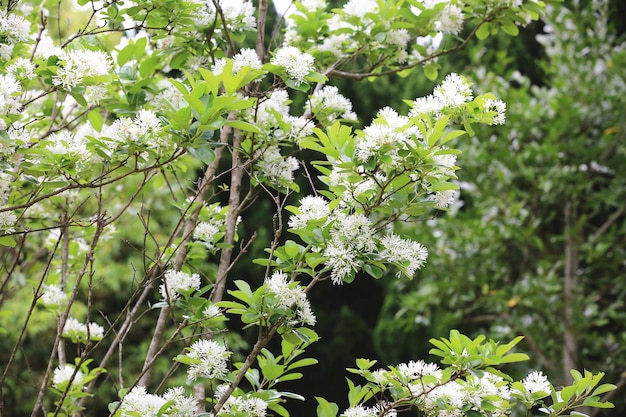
379 410
239 405
453 92
72 146
351 237
328 105
212 225
13 29
289 295
277 169
10 89
245 58
498 107
80 64
534 383
144 129
210 360
82 332
409 255
62 375
53 296
138 402
312 208
297 64
22 68
450 398
272 117
389 129
175 282
238 14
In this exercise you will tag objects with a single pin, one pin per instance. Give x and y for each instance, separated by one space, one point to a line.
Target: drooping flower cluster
82 332
312 208
13 29
245 58
53 296
144 129
78 66
139 402
288 295
63 374
453 92
10 89
244 405
409 255
176 283
297 64
390 132
379 410
239 15
276 168
209 360
328 105
212 225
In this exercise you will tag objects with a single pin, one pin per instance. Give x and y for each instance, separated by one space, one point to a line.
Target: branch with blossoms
182 126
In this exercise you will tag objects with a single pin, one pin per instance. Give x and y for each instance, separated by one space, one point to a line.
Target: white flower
175 282
53 296
9 89
212 311
409 254
360 8
497 106
443 199
210 360
77 65
22 68
290 295
62 375
414 370
246 58
449 20
183 406
7 219
277 168
247 406
311 208
341 260
297 64
329 105
71 145
139 402
206 232
453 91
81 332
445 400
445 164
536 381
13 28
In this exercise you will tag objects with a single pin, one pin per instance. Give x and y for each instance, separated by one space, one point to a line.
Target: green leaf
245 126
95 118
325 408
7 241
302 362
431 71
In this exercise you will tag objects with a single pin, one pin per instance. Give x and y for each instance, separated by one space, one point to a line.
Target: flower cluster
245 58
80 66
63 374
139 402
407 254
276 169
53 296
328 105
82 332
13 29
312 208
453 92
207 359
245 405
10 89
290 295
211 227
238 14
144 129
176 283
297 64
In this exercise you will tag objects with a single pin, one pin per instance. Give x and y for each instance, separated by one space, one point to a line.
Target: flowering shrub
97 130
